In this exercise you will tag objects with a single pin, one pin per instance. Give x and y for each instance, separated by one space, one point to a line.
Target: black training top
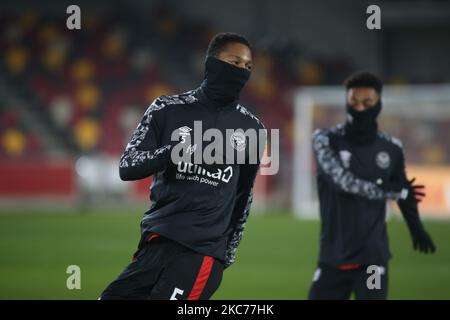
352 204
202 206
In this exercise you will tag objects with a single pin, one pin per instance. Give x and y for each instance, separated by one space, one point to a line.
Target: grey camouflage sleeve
144 155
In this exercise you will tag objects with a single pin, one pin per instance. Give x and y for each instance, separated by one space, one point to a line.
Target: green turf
276 259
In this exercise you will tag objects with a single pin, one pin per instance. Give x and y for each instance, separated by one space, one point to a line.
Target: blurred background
70 99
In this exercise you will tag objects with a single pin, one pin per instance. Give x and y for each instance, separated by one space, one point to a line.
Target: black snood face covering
361 126
223 82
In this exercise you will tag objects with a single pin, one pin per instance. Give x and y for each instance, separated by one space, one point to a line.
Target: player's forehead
362 93
236 50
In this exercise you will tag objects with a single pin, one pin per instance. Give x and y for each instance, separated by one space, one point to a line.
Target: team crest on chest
383 160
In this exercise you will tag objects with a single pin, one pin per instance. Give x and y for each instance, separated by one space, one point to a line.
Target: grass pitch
276 259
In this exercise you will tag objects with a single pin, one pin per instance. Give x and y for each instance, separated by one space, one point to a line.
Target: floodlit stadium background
69 100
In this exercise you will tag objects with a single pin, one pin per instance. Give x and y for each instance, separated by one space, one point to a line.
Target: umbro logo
184 132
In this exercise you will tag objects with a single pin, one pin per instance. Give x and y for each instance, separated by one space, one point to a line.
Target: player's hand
415 192
423 242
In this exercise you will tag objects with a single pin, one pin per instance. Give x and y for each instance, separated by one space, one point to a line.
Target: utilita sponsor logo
190 168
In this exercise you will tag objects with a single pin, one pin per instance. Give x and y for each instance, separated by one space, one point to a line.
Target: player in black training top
359 167
198 208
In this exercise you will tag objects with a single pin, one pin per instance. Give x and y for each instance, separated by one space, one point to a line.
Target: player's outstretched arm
409 206
144 155
342 178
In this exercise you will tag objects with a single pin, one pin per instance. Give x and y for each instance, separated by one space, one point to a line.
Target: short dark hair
364 79
220 40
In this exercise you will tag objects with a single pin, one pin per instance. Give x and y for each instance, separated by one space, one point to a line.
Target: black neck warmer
223 82
361 126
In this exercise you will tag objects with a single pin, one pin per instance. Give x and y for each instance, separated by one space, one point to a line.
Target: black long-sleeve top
352 199
202 206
